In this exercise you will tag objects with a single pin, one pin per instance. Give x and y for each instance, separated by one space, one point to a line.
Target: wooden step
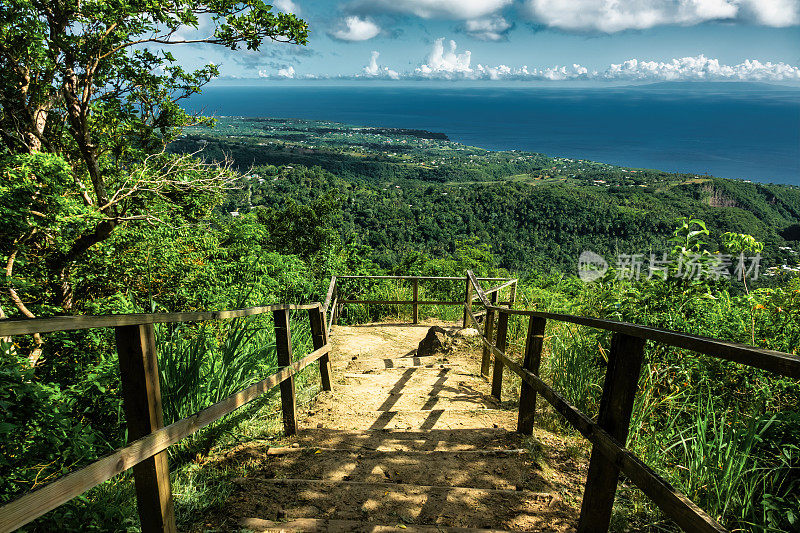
389 363
396 440
495 469
317 525
392 503
413 388
348 416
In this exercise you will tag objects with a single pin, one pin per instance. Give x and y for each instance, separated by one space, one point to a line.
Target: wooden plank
534 342
283 348
672 502
434 278
513 297
774 361
329 296
399 302
138 366
319 336
481 295
415 298
34 504
500 343
486 358
333 313
616 406
467 302
69 323
500 287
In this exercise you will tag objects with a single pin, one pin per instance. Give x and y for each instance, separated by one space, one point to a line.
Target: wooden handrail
500 287
439 278
401 302
24 326
139 374
329 295
774 361
34 504
675 504
609 455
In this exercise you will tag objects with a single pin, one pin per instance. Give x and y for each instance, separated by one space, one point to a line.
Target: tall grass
203 364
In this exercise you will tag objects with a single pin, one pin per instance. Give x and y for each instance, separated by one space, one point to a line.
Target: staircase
406 443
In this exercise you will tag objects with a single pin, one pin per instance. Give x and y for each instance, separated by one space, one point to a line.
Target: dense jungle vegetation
105 208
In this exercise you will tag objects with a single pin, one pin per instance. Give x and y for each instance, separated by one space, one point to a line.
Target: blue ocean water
734 131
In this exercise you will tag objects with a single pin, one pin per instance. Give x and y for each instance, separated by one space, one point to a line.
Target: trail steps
403 443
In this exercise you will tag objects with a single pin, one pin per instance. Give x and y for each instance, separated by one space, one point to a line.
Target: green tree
94 83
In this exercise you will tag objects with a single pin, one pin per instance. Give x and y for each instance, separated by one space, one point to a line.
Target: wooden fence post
283 347
533 358
415 310
467 303
513 296
320 338
488 332
502 336
141 388
616 405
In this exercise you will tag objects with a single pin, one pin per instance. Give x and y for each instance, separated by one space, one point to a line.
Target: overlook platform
408 443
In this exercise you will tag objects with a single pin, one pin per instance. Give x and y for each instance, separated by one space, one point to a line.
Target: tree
90 89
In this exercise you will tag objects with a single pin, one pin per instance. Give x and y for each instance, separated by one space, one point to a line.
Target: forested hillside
402 194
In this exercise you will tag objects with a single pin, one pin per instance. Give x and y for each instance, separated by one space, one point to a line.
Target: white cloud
610 16
701 68
287 6
778 13
444 9
373 70
494 28
446 65
287 72
356 29
449 64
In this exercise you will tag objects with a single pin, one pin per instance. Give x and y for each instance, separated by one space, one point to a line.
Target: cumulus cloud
373 70
778 13
356 29
445 64
700 68
493 28
287 6
285 73
610 16
442 9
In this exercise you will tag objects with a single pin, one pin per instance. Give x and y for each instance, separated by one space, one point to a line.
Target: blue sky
527 41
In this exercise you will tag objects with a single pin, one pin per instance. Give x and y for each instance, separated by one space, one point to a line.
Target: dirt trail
407 443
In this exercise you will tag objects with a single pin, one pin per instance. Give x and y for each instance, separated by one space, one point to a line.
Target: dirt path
407 443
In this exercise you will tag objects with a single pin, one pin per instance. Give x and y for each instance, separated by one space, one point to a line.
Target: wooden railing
609 433
138 362
335 301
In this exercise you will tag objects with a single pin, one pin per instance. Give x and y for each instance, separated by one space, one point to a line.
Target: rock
435 341
467 332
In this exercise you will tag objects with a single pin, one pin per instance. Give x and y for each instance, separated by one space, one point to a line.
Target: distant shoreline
748 135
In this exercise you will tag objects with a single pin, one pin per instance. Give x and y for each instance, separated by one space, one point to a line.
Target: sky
598 41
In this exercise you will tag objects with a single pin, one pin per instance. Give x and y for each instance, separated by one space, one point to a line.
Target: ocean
734 131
